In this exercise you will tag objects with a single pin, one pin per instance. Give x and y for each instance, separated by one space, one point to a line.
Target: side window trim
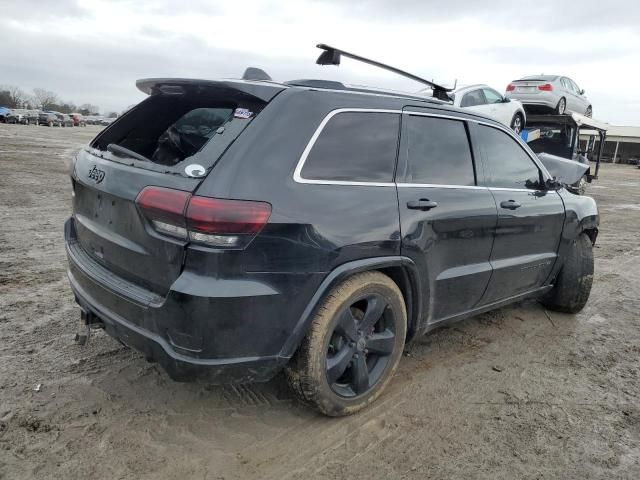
475 145
475 150
297 176
478 154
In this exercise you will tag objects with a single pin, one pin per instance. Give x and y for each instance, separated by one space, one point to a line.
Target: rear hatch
171 140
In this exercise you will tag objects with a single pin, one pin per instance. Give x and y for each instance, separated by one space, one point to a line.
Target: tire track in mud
363 432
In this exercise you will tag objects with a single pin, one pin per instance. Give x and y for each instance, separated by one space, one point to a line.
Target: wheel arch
400 269
592 232
581 217
405 277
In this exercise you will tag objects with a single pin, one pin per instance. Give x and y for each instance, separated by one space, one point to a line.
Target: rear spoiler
262 90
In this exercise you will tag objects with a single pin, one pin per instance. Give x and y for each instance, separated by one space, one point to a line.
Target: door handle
423 204
510 204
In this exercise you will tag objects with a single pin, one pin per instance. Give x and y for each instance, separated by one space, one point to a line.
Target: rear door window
355 147
437 151
508 165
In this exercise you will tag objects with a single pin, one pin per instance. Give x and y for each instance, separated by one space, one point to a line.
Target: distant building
621 146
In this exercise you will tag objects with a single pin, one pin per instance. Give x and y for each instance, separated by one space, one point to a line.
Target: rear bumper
535 100
178 366
234 334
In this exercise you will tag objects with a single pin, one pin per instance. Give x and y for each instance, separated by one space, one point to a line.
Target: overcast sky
92 51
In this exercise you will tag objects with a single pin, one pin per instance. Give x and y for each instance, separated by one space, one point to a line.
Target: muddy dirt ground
510 394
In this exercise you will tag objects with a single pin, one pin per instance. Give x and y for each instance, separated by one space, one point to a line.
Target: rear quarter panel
313 228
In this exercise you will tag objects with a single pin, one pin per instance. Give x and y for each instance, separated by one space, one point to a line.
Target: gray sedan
560 94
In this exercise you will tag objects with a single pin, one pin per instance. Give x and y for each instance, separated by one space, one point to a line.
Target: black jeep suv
232 229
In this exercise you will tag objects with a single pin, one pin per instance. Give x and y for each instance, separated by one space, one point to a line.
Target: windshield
542 78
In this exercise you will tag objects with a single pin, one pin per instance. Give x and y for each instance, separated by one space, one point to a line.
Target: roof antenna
331 56
253 73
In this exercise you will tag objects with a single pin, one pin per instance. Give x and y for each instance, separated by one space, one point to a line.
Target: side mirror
552 184
505 100
582 92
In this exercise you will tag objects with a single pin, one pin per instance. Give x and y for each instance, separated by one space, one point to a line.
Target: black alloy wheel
352 347
360 346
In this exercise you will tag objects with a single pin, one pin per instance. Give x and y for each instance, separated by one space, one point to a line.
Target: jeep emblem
96 174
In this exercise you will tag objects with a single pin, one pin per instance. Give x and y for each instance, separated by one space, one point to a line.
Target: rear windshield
169 129
540 78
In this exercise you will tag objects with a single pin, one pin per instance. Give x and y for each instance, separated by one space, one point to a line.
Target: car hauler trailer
556 141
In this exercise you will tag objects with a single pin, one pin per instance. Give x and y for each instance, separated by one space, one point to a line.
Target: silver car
561 94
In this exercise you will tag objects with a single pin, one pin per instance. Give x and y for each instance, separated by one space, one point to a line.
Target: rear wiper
117 149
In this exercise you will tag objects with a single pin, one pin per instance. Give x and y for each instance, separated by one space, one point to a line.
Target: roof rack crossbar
331 56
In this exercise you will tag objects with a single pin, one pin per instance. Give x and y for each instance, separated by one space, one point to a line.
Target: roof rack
331 56
333 85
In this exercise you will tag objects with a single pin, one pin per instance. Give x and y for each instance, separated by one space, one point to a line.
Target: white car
486 100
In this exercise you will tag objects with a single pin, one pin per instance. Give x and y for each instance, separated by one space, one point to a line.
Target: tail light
547 87
225 223
214 222
511 87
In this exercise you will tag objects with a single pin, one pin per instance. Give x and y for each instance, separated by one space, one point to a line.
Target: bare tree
15 96
45 98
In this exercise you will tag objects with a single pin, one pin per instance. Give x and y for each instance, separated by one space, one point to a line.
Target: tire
561 108
358 375
573 285
517 123
589 112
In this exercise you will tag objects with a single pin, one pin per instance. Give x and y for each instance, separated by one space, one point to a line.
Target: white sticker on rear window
242 113
194 170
